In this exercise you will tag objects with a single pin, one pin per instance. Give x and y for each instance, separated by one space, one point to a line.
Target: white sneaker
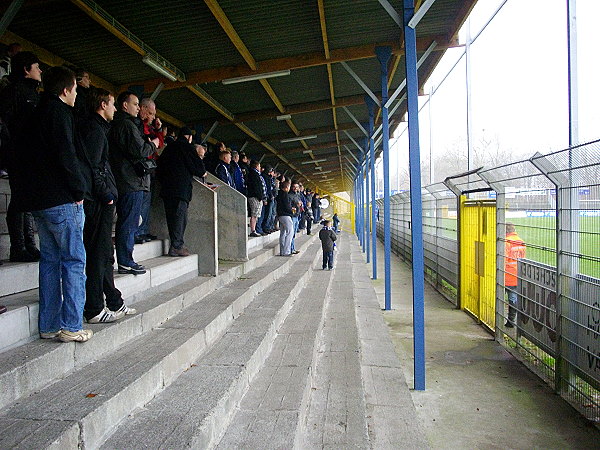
76 336
126 310
106 316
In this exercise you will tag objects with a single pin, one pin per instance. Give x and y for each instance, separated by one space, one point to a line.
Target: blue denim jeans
272 215
145 213
259 221
295 224
129 208
62 267
327 260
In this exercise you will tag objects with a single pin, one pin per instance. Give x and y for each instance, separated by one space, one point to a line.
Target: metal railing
553 203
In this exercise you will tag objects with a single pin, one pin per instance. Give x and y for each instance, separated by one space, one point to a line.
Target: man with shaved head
127 150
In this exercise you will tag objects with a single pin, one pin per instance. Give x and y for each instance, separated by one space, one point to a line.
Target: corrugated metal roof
188 35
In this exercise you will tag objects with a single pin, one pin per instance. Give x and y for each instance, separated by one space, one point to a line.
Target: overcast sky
518 79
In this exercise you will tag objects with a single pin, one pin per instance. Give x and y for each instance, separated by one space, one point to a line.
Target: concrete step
85 406
20 322
259 242
269 413
33 366
30 363
196 409
19 277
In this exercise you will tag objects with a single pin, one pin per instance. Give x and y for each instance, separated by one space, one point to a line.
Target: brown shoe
178 251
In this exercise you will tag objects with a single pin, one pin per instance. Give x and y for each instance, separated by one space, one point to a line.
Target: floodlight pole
418 267
383 55
371 107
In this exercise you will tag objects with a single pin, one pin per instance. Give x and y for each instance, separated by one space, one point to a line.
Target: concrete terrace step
196 409
270 410
20 277
32 366
132 370
257 242
20 322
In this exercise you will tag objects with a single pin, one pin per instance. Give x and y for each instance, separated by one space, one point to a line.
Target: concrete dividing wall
201 233
233 221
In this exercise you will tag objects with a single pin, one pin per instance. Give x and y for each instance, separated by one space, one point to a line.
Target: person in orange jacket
514 249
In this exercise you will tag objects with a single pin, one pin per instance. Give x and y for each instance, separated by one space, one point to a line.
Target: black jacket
17 102
126 146
327 238
284 204
177 164
315 202
94 142
255 187
47 167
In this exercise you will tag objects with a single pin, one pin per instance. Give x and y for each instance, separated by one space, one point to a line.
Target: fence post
566 272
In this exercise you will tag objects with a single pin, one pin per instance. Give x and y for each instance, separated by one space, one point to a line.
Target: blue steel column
367 198
360 210
383 55
371 107
416 209
356 230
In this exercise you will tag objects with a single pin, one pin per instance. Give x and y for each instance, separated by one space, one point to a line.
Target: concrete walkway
477 395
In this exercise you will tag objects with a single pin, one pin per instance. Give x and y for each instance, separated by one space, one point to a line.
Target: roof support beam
321 7
360 82
10 14
103 18
235 39
301 108
419 13
354 142
356 121
422 59
352 154
294 62
391 11
210 131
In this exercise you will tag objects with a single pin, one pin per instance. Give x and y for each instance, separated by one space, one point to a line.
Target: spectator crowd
76 156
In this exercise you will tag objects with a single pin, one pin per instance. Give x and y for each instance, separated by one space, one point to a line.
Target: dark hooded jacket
126 146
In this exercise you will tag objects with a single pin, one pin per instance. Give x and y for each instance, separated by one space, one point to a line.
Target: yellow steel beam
235 39
323 23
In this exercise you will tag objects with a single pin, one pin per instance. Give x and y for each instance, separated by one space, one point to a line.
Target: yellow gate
478 259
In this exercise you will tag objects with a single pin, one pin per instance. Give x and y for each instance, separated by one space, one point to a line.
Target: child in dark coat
327 237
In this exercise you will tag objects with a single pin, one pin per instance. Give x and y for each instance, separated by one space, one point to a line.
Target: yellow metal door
478 259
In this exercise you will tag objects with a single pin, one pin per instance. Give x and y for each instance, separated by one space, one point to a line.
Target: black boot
18 252
29 236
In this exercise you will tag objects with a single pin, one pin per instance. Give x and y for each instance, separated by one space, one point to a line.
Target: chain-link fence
541 219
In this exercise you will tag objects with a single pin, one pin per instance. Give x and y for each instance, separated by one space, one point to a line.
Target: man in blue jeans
297 210
51 186
127 149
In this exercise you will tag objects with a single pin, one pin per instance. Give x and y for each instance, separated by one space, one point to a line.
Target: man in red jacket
514 249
